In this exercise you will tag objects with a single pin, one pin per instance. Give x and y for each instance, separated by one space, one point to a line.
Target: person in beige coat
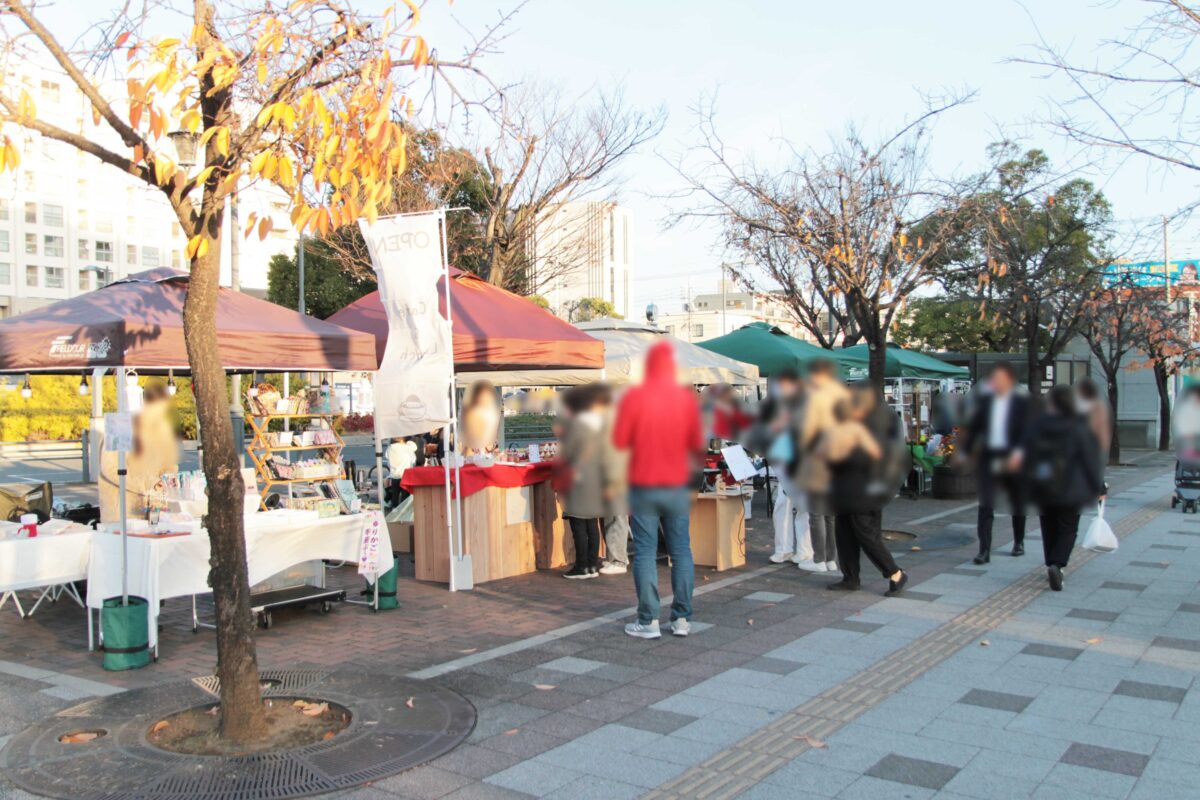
824 394
155 452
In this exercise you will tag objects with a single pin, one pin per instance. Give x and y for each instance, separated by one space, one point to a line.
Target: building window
31 276
697 331
81 219
51 92
56 278
150 257
176 259
4 210
130 254
85 280
4 241
104 252
31 244
53 246
104 223
31 213
52 215
84 250
5 274
131 225
612 236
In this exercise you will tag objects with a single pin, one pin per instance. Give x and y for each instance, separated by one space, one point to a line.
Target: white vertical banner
418 364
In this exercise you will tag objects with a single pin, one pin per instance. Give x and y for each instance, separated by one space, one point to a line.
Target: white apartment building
583 248
69 223
706 316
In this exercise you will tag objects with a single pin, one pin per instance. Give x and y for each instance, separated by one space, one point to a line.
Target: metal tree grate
385 736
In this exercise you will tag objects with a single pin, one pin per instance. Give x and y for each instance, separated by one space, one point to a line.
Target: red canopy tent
493 329
137 322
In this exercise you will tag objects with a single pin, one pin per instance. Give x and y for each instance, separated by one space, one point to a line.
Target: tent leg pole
449 502
123 407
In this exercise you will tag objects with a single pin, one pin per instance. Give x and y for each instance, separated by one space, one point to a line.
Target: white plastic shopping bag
1100 536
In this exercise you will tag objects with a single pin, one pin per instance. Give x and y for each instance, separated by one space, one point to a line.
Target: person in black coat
1061 461
994 434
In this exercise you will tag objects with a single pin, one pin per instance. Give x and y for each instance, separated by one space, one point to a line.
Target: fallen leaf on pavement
511 731
300 704
985 643
814 743
409 702
212 712
1094 640
916 549
749 622
469 650
315 709
544 687
78 738
160 725
328 735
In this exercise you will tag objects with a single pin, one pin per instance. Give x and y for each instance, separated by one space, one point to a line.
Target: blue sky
801 71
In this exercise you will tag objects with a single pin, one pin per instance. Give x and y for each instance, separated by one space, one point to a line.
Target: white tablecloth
177 566
44 560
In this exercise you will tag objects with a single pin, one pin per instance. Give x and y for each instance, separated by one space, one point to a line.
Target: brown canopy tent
493 330
137 322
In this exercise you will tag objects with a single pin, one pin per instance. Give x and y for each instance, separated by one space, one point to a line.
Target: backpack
1049 464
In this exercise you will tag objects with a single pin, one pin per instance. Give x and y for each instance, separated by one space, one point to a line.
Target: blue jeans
647 508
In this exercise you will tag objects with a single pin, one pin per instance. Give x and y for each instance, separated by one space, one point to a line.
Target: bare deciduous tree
855 228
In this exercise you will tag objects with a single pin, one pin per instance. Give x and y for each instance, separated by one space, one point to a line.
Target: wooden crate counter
511 524
718 530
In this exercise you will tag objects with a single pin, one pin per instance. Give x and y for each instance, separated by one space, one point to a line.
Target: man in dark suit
995 433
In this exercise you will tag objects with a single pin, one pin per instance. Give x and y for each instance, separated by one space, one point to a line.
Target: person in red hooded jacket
659 424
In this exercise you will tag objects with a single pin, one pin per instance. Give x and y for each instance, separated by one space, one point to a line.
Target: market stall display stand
260 451
717 525
57 561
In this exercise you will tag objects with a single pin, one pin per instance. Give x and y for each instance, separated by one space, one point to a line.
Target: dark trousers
862 533
991 481
587 534
1059 528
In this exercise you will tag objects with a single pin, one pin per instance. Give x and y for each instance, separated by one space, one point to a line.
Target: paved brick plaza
783 690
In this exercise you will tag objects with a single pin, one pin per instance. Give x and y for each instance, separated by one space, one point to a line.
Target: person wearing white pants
792 537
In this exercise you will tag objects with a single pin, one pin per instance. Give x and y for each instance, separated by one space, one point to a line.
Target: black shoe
577 573
896 587
983 558
1056 578
843 586
593 572
1018 549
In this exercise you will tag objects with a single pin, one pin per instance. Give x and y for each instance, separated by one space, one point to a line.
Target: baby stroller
1187 479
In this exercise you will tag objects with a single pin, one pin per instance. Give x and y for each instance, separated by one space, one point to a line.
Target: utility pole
1166 260
237 415
300 267
724 301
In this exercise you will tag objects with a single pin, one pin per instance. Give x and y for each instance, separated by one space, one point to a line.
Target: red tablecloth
505 476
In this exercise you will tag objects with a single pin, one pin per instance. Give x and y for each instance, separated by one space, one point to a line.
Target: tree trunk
242 715
1161 381
1114 449
1033 363
877 360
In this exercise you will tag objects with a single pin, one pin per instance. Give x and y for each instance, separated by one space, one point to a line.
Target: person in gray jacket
585 483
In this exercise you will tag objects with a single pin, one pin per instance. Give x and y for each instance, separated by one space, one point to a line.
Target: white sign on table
118 432
411 387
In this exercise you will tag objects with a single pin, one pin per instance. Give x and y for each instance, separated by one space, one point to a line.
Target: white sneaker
613 568
640 631
680 627
831 566
811 566
780 558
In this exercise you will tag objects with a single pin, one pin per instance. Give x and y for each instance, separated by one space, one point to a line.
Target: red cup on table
29 525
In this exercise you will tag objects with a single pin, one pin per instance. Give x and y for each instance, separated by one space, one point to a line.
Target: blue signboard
1151 273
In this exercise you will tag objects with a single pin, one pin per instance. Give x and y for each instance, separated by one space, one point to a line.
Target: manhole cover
397 723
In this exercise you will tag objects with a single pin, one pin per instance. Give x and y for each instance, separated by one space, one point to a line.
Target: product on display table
511 524
163 565
295 460
54 558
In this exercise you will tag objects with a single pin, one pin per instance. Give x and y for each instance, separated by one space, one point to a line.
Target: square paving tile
1121 762
1052 651
912 771
1190 608
776 666
573 665
856 627
1088 613
1151 691
1150 564
768 597
1123 586
1001 701
1175 643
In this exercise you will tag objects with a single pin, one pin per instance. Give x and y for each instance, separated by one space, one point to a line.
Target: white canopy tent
625 346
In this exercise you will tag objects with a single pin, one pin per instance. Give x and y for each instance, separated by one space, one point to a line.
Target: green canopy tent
768 348
900 363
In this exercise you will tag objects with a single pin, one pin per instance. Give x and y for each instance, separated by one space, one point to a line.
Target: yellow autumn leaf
191 120
197 247
264 227
164 170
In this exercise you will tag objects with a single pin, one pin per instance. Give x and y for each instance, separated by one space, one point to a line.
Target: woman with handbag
582 479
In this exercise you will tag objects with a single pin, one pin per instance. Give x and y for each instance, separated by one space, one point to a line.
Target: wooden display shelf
260 451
